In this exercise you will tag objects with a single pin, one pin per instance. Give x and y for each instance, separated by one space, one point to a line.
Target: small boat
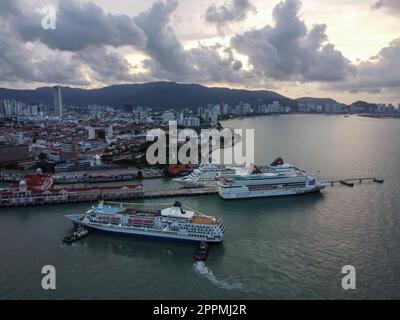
201 252
379 180
79 234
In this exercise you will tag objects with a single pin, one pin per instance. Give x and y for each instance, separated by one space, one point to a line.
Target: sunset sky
343 49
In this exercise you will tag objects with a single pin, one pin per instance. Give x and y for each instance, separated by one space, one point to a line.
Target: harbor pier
350 182
39 190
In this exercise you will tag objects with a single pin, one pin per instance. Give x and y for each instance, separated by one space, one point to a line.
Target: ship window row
303 184
196 235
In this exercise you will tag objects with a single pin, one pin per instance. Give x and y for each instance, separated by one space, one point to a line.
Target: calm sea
281 248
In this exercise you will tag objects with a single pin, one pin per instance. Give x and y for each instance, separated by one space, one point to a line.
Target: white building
189 122
275 107
168 116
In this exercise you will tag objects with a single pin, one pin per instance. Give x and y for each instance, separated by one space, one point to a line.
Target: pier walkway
350 182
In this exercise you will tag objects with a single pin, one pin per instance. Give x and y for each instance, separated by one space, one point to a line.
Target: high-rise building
2 107
58 104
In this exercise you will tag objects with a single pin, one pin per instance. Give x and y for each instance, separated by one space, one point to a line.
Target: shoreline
366 115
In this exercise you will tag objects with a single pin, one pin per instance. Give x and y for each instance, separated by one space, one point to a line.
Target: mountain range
158 95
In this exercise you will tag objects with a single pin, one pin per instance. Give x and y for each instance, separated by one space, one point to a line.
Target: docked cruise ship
172 223
206 175
279 179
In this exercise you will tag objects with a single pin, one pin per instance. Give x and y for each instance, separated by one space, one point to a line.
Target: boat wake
200 268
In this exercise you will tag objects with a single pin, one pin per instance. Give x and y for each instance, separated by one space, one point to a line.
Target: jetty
350 182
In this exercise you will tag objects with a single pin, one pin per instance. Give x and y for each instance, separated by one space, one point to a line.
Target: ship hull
186 183
124 231
246 194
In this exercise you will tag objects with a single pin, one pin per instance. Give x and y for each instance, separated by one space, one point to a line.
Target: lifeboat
148 221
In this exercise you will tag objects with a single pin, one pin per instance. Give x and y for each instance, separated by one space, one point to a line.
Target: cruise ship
206 175
173 223
279 179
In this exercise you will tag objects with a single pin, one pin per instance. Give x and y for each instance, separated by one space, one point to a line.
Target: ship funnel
277 162
177 204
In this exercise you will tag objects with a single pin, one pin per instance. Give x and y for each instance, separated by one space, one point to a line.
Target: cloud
289 51
77 52
107 66
213 66
21 62
235 11
167 55
170 61
85 49
79 25
379 72
389 5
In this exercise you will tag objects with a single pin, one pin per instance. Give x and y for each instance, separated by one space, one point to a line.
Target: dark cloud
213 66
41 59
235 11
289 51
83 50
21 62
167 55
170 61
108 66
379 72
83 45
79 25
390 5
105 66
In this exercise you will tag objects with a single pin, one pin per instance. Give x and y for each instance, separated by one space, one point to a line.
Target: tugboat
78 234
201 252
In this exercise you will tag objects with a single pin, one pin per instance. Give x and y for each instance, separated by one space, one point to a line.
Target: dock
350 182
180 193
75 196
17 198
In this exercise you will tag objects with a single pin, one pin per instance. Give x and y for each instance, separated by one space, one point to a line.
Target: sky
342 49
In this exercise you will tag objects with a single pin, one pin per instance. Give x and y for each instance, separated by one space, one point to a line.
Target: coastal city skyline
338 51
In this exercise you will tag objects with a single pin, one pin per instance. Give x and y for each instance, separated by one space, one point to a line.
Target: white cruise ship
206 175
171 223
278 180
